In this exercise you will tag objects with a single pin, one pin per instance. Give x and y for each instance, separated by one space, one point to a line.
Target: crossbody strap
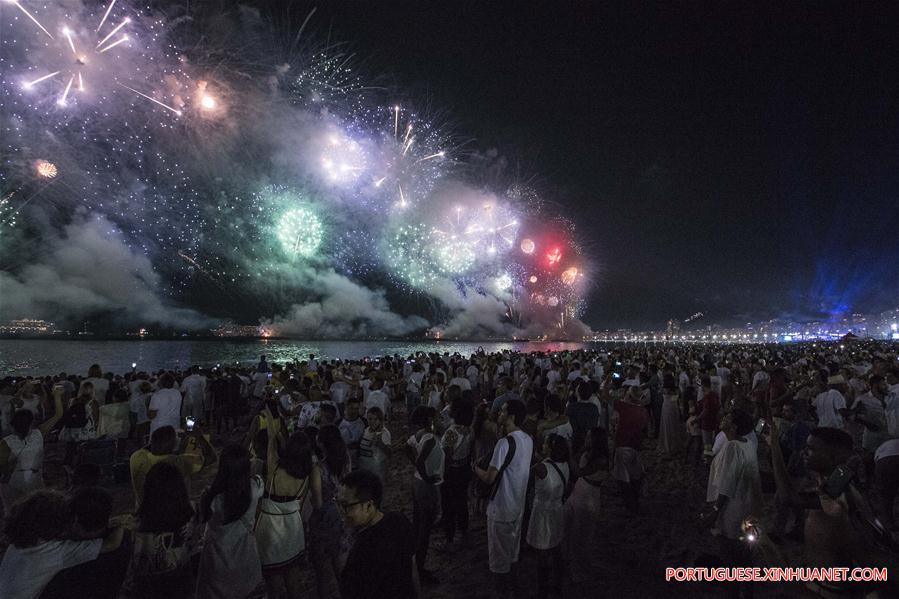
508 460
562 476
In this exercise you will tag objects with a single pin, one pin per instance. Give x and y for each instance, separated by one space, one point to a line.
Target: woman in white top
100 384
21 460
458 442
427 455
582 508
546 527
229 565
734 485
671 427
374 445
434 391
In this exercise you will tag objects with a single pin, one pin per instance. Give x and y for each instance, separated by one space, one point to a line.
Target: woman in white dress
21 460
583 506
280 533
229 565
671 427
546 526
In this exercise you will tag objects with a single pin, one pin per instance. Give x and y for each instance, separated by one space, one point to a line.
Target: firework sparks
398 216
113 32
46 169
68 49
105 15
30 16
121 40
68 35
569 275
152 99
300 232
29 84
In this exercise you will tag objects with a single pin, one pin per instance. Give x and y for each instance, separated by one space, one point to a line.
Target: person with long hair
671 424
229 565
163 540
280 533
79 422
583 505
427 455
546 527
328 544
457 444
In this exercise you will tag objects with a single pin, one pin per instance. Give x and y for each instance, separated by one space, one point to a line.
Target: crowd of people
799 444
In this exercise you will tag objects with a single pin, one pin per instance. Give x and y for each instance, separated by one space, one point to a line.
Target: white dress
27 475
546 527
230 565
671 429
735 473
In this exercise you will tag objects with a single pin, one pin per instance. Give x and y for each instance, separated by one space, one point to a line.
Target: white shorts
503 542
627 466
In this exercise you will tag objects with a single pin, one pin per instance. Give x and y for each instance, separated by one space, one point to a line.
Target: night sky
732 159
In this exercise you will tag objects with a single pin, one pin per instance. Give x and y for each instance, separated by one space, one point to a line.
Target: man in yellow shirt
164 447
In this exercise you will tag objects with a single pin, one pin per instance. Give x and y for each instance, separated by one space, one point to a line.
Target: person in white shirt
260 381
870 409
460 381
374 445
101 384
22 458
194 389
377 398
35 528
473 374
683 381
830 406
165 405
576 373
427 455
510 480
734 487
553 377
414 383
352 427
599 372
760 379
338 392
724 372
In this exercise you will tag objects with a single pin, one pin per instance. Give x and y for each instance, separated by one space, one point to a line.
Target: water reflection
20 357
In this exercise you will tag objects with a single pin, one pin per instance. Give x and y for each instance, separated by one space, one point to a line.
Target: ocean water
51 356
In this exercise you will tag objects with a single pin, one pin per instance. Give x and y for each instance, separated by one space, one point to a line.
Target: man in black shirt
380 562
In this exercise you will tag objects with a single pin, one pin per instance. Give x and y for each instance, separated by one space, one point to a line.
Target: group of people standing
306 453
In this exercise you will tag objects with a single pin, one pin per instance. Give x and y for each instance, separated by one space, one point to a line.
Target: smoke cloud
89 269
